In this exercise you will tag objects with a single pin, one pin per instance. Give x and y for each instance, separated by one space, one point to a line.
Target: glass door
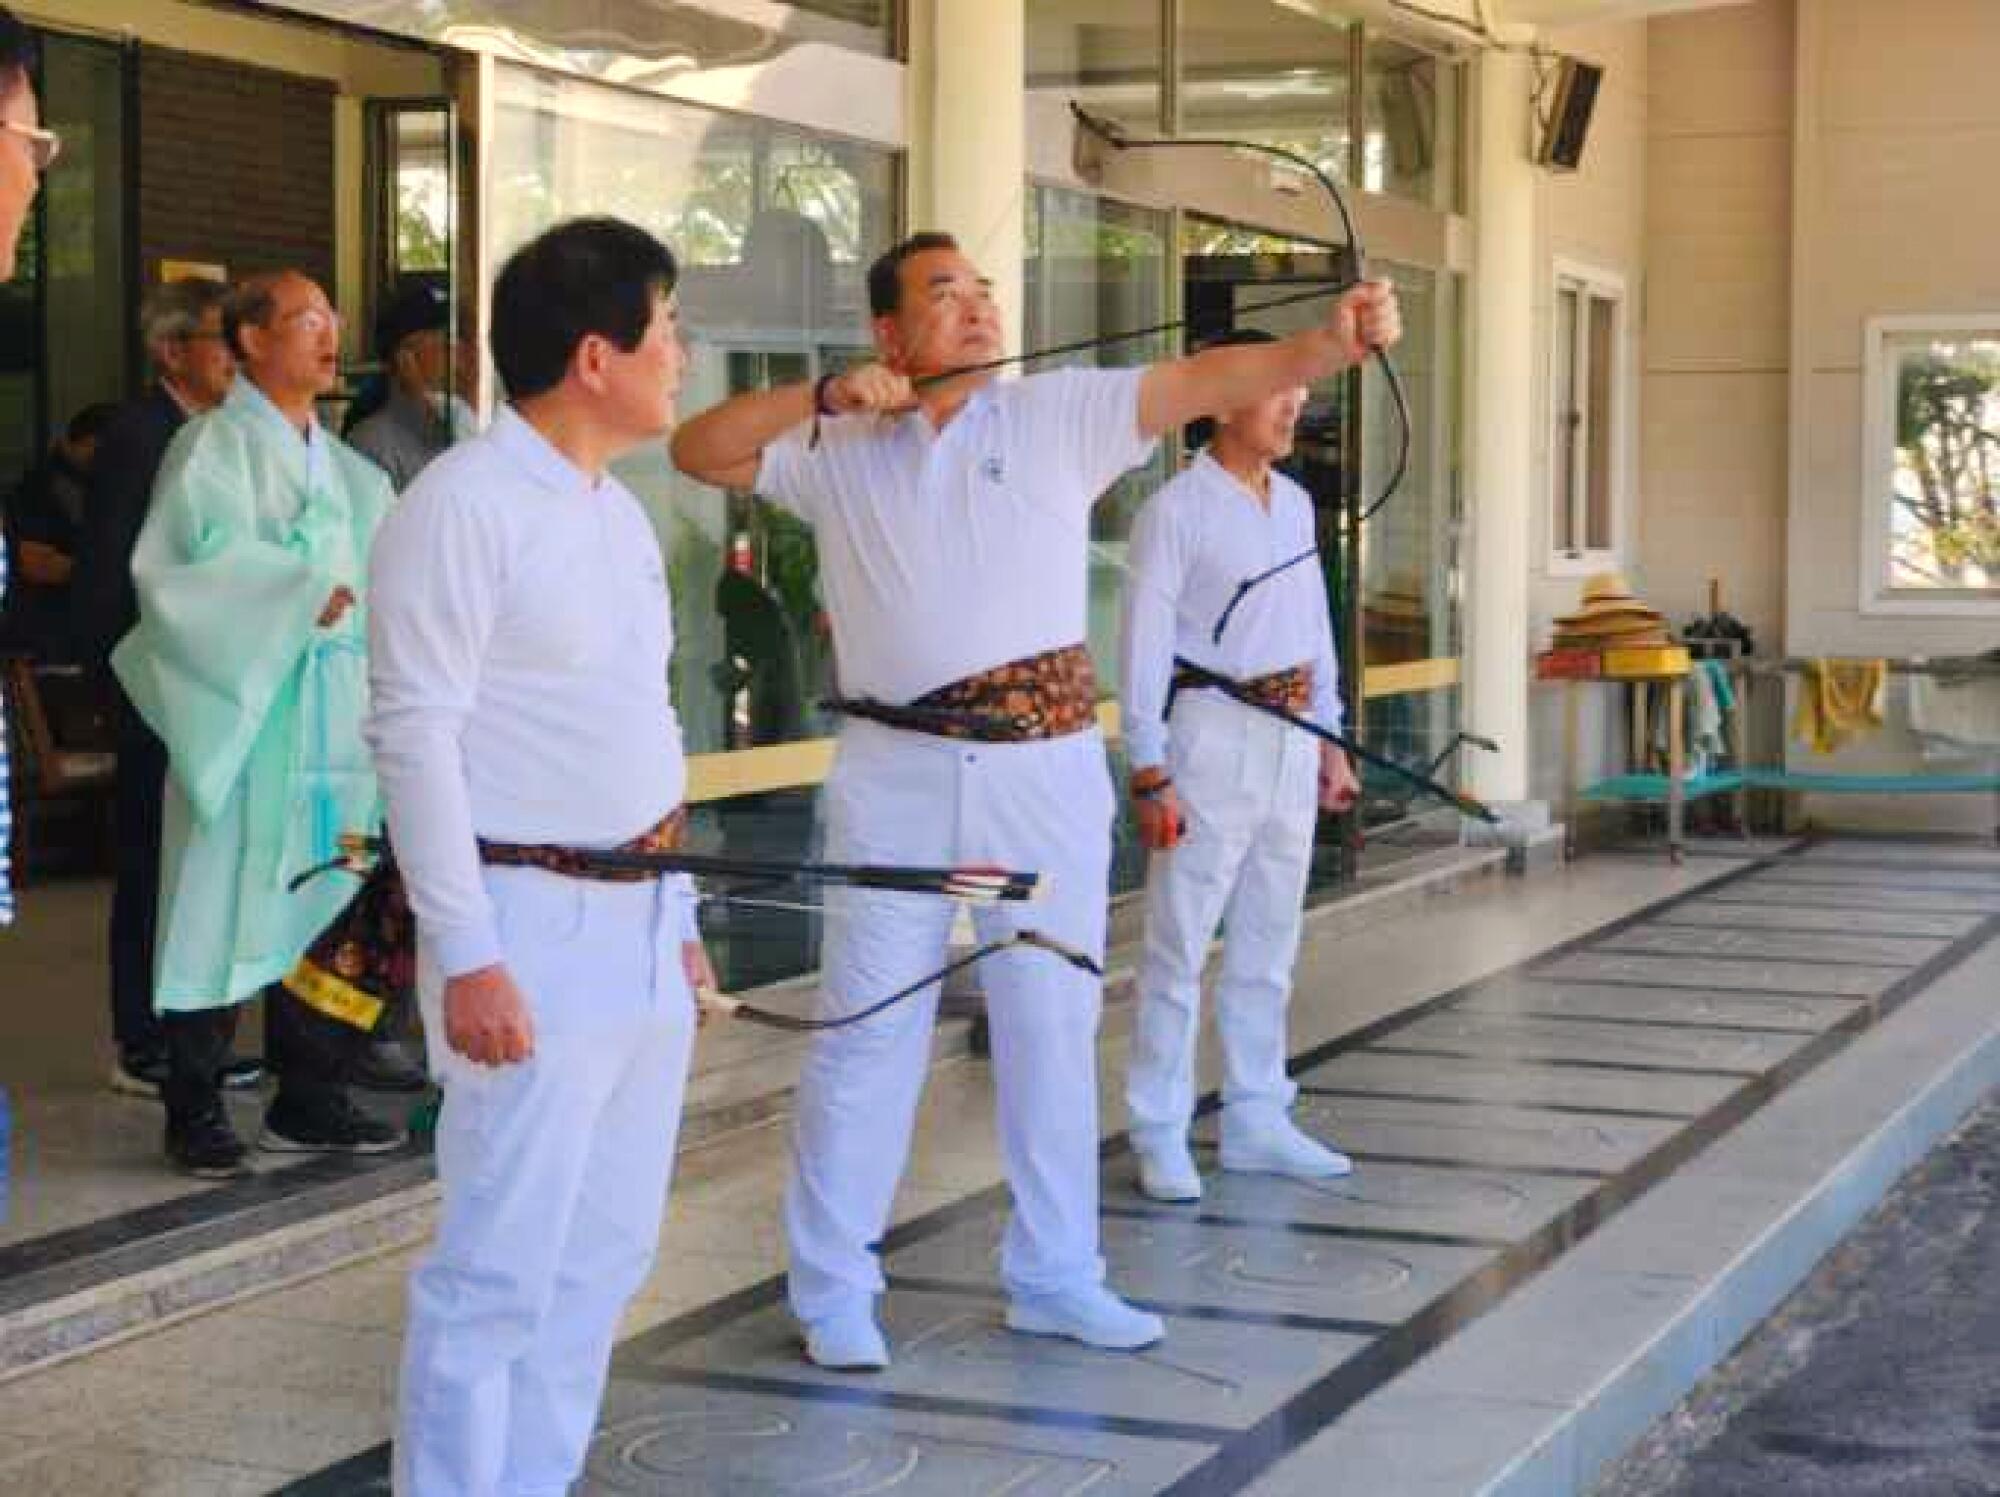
64 319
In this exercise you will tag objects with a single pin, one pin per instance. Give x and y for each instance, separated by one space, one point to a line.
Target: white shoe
1277 1146
847 1341
1167 1172
1092 1314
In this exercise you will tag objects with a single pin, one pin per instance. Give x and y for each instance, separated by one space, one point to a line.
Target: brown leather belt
366 960
1289 690
1049 695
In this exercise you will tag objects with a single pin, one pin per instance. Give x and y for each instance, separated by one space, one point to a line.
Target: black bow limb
1201 676
724 1006
1118 138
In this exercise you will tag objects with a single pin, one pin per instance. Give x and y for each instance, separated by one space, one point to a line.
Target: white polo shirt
945 553
1193 543
519 632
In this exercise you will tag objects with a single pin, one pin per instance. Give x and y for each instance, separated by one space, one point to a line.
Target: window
1272 72
1931 475
1587 400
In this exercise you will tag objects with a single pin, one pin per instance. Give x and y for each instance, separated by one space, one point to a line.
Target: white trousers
905 797
1248 786
555 1175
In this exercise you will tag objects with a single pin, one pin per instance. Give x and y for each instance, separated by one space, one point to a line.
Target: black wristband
1149 791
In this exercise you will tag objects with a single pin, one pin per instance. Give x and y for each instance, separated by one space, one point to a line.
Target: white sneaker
1167 1172
1091 1314
1277 1146
847 1341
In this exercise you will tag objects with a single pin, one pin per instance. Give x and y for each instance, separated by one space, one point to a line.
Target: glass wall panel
1411 123
1107 55
774 229
1409 564
1094 267
1262 70
638 40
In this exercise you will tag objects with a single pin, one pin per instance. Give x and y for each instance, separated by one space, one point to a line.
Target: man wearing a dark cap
420 417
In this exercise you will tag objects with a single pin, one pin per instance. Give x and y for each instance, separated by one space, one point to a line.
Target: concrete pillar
1505 228
968 135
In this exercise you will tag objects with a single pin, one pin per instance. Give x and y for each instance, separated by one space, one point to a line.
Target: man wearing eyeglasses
26 152
248 660
30 150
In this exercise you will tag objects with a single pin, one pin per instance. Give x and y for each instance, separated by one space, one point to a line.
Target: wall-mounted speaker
1572 95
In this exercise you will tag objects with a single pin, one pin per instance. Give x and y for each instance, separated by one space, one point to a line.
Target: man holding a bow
952 514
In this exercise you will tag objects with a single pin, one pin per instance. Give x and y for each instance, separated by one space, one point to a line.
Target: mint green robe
250 530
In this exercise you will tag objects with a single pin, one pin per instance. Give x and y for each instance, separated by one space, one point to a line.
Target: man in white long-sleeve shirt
953 524
519 641
1225 574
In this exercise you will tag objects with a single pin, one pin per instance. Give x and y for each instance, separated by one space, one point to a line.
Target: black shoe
206 1147
388 1066
139 1073
242 1074
332 1126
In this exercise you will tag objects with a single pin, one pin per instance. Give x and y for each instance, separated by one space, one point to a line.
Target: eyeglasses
43 145
313 320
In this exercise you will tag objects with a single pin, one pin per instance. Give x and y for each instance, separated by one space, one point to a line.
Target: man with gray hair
193 369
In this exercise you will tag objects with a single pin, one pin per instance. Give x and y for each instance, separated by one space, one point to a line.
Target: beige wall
1899 129
1595 216
1714 396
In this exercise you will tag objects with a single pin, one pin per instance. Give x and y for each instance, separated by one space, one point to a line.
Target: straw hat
1608 614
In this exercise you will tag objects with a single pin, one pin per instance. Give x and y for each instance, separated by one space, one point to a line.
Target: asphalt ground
1879 1376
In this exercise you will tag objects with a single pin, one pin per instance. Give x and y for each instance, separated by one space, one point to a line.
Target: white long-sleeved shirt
1192 543
519 634
944 553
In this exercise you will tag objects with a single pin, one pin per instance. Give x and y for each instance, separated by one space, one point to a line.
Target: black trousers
135 900
311 1054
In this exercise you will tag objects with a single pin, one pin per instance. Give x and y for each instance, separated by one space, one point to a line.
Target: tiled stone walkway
1494 1127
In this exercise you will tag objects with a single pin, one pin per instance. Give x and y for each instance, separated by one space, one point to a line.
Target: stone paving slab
1502 1037
954 1346
1489 1137
1631 1003
1816 948
700 1442
1775 914
1470 1082
1721 975
1888 876
1385 1197
1782 888
1248 1271
1957 854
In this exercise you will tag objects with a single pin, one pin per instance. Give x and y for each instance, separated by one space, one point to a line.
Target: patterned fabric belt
574 862
366 961
1049 695
1289 690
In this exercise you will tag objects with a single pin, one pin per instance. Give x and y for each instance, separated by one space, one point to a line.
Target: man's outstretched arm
726 442
1217 380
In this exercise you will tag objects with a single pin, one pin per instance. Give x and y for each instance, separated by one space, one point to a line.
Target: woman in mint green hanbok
248 661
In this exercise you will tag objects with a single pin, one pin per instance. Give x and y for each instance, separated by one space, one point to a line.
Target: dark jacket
47 507
103 604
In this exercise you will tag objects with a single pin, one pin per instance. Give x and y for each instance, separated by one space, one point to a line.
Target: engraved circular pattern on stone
1365 1273
688 1452
1567 1133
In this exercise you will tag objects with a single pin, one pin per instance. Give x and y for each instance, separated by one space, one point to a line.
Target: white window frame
1878 461
1593 281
